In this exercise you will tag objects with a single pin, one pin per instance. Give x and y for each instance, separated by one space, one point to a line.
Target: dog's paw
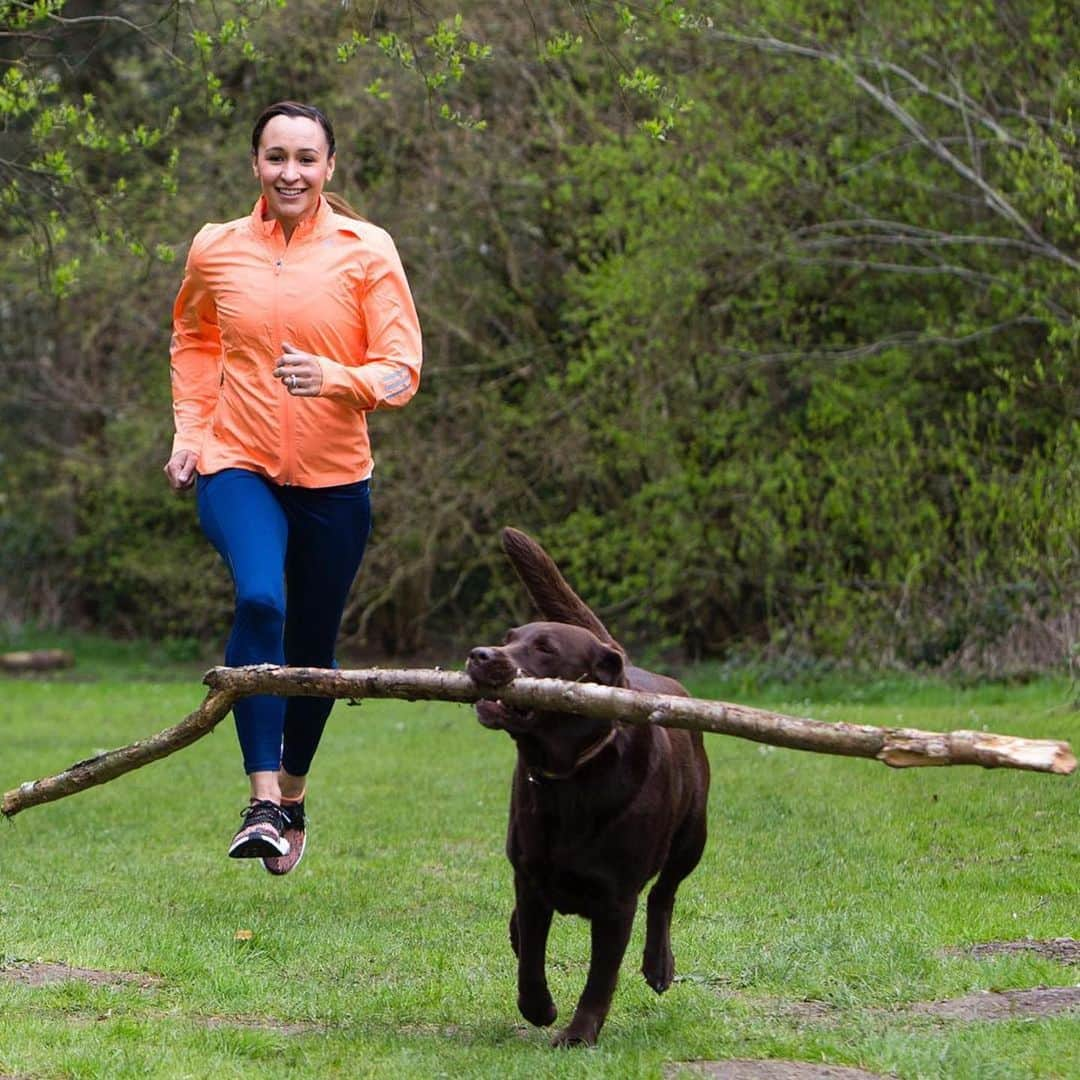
659 969
576 1034
538 1009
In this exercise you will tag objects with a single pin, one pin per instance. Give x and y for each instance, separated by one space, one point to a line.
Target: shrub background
766 324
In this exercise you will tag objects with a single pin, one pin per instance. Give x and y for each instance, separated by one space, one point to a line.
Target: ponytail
341 206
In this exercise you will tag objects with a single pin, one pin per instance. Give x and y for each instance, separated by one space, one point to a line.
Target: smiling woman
290 325
292 156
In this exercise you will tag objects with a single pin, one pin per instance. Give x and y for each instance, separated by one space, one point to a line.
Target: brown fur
596 810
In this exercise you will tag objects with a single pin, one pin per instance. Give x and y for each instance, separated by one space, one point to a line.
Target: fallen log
896 747
36 660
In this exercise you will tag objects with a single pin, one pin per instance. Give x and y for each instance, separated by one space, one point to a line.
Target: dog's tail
549 591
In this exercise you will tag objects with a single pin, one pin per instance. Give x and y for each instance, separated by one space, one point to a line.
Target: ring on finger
292 381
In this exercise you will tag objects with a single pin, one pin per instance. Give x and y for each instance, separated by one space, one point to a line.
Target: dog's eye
544 646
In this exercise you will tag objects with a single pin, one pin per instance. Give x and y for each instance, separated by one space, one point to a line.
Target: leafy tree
875 318
764 320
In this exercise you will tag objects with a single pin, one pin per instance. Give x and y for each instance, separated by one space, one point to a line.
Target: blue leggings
306 543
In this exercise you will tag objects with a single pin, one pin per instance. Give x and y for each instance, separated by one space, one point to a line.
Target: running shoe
262 834
295 832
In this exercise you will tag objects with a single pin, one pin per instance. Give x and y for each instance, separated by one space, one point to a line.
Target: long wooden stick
897 747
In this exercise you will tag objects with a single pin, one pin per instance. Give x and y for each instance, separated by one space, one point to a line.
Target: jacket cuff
189 441
339 381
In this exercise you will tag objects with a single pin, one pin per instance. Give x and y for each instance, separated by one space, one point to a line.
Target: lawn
836 896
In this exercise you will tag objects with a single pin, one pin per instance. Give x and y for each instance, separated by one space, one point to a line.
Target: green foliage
783 463
768 329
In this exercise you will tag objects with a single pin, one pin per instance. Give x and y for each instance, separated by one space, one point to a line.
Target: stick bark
896 747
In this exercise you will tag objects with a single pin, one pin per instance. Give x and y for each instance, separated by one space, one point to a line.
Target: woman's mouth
290 193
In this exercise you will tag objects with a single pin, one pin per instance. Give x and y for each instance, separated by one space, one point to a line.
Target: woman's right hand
180 469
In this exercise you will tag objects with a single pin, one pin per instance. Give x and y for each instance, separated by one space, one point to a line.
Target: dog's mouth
499 717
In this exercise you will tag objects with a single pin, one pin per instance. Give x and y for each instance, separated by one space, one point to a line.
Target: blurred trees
765 323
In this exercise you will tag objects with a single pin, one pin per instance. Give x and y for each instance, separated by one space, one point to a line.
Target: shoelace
264 812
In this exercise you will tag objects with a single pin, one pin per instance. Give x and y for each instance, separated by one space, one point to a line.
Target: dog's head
542 650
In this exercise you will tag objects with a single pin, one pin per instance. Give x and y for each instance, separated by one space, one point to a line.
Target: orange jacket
337 291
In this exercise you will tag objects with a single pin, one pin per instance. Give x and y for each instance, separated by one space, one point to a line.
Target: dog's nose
481 654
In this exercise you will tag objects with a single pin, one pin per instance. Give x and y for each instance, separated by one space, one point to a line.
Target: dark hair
308 112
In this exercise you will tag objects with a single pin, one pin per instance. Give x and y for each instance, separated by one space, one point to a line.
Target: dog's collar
536 775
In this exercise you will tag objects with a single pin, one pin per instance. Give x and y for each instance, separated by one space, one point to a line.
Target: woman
290 325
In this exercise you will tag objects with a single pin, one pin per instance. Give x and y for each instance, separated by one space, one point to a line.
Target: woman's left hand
300 371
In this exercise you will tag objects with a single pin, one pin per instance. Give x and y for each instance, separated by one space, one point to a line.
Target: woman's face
292 166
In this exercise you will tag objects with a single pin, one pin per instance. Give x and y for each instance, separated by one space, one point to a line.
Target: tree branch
897 747
994 198
910 340
113 763
882 231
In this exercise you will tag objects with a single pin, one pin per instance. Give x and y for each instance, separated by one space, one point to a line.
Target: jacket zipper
288 465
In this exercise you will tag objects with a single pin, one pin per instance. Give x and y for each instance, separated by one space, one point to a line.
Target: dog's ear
608 666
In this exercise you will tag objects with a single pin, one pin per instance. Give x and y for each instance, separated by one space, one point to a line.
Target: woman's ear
330 167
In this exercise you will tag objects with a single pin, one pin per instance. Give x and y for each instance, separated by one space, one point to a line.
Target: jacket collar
266 226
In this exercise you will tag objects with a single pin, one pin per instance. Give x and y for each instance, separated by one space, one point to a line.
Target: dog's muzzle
490 666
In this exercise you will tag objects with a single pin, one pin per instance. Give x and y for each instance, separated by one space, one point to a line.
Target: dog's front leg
610 935
658 963
529 926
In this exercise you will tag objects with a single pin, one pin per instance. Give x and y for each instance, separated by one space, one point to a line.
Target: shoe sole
257 847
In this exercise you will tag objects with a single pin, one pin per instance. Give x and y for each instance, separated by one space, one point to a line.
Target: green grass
825 880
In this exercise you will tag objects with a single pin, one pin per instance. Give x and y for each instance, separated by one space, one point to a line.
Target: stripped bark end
904 749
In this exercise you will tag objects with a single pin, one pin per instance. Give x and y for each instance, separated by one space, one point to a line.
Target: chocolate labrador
597 809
